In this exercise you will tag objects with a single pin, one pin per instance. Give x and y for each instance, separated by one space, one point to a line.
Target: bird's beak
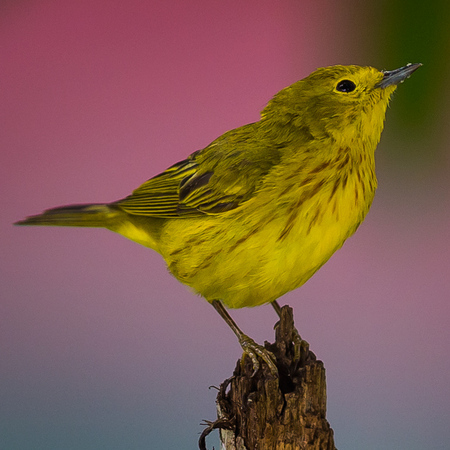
394 77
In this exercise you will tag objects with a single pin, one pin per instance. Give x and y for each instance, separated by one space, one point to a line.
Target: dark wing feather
159 196
213 180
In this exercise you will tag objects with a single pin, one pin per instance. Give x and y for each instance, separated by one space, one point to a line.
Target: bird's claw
253 350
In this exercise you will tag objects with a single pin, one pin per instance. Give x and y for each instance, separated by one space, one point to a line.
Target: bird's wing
216 179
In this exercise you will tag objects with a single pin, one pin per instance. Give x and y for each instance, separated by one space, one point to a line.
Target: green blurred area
388 34
418 31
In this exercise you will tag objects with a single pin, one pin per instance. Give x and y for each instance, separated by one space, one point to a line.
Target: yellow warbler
258 211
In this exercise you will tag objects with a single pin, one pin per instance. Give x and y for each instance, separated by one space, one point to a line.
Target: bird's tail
87 215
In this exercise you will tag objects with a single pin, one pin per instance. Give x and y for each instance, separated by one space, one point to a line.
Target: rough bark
264 412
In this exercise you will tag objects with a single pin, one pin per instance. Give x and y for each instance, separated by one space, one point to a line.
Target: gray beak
397 76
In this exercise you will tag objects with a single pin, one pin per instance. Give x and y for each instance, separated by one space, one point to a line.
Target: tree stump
264 412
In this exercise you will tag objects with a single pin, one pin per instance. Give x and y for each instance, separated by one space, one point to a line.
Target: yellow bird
257 212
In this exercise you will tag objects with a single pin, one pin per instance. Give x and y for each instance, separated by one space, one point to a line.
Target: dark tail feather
88 215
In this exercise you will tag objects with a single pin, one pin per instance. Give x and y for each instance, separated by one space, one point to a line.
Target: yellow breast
273 244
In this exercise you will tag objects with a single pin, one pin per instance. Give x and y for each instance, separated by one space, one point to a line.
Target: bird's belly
246 261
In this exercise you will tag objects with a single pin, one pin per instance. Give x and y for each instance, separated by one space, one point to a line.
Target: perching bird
258 211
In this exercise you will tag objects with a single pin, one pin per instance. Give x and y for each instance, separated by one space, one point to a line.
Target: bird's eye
345 86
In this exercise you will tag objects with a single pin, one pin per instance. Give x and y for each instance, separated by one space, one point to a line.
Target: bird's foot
254 350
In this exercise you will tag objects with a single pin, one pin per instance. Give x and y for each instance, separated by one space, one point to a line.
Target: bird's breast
271 245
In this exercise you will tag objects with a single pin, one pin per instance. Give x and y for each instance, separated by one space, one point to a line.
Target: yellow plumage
257 212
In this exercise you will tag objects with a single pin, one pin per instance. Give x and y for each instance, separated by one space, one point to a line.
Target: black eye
346 86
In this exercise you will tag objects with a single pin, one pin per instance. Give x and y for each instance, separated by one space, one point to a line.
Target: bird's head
338 102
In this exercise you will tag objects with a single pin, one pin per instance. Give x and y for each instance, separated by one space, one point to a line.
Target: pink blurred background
100 346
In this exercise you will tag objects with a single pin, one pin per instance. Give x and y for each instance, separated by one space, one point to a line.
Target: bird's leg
299 343
249 346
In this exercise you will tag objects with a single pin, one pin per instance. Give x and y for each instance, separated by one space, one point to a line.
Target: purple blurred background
100 347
